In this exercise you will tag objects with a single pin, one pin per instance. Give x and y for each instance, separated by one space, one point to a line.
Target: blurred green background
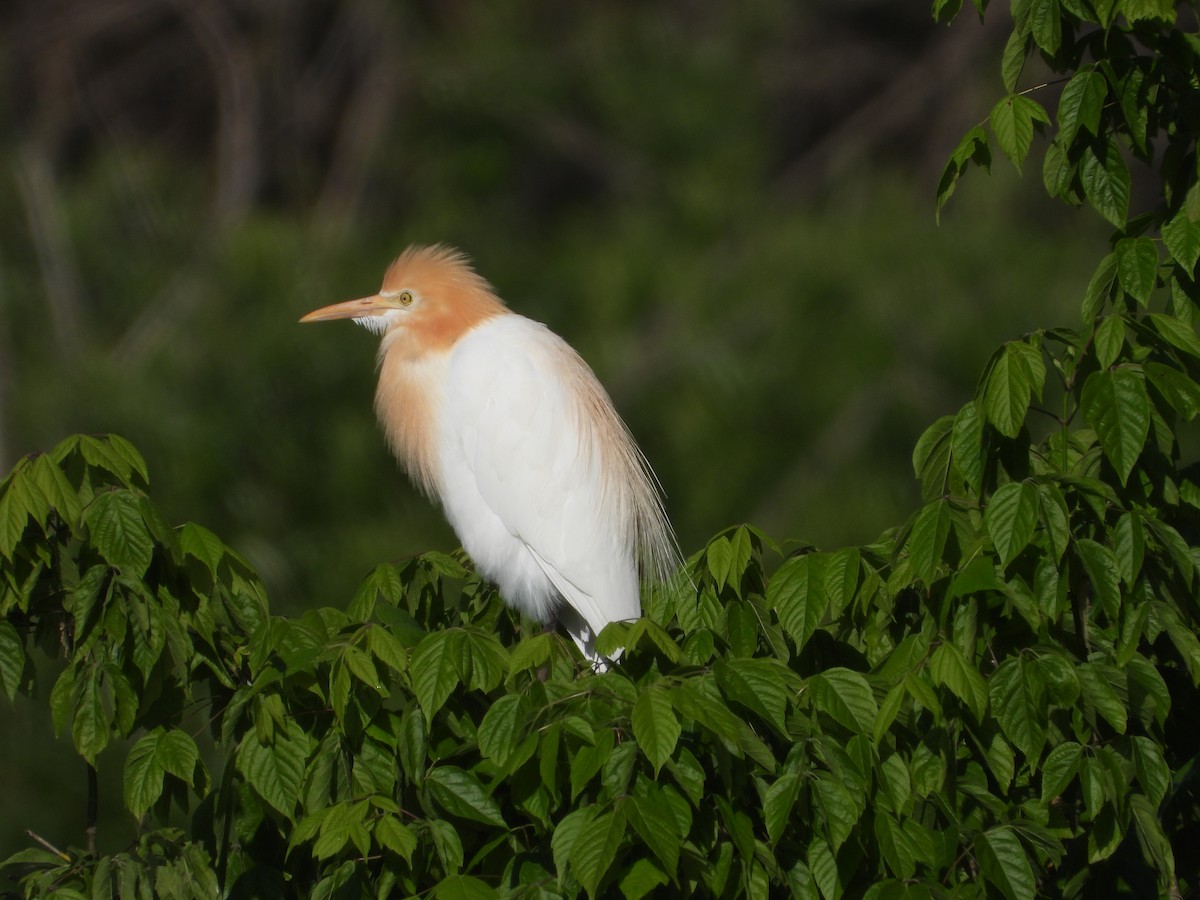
726 208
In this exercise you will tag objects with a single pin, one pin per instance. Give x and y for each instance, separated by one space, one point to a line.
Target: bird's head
431 295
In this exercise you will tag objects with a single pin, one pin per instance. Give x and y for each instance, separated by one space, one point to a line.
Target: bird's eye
405 298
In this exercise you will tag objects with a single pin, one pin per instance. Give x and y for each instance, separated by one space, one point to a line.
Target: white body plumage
502 421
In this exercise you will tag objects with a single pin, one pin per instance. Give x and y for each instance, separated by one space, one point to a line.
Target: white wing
527 480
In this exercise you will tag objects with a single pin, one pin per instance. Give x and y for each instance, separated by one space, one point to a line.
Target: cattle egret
502 421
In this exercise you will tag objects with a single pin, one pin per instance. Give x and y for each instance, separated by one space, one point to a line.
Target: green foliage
994 699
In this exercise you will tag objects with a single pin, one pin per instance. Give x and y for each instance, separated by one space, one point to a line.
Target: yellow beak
350 309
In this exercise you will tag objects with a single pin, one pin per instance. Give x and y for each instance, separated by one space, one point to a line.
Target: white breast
520 457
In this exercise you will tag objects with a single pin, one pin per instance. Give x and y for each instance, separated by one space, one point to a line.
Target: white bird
502 421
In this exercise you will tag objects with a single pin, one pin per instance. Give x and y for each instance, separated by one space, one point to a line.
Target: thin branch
65 857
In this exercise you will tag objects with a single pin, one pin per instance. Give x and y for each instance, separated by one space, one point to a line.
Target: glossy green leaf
778 803
1016 375
641 880
1108 340
927 539
1176 332
655 727
972 148
1181 235
1046 24
460 793
951 669
1100 287
652 818
1137 267
143 774
845 695
1080 104
118 531
500 730
1106 183
1005 863
12 660
1179 390
1101 696
276 770
797 593
433 670
1012 122
1010 518
898 850
1117 407
1018 702
392 834
595 848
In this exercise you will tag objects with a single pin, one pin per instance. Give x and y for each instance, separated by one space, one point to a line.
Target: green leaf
931 458
1108 339
178 754
1103 572
897 848
1080 104
1137 267
595 848
143 774
12 659
91 725
1059 769
1176 332
1153 10
1016 375
840 807
966 443
1046 20
778 803
845 695
1180 391
797 593
276 770
1058 171
1153 773
1012 123
1106 183
1010 518
927 539
392 834
433 670
1016 698
1005 863
653 819
1012 61
59 493
655 727
1117 407
447 843
1100 695
461 794
973 147
200 543
1099 290
1055 516
119 533
949 668
761 685
499 732
641 879
1182 238
1155 844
